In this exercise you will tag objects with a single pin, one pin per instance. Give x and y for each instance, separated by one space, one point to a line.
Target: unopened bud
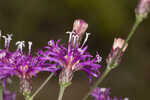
79 27
143 8
118 43
117 46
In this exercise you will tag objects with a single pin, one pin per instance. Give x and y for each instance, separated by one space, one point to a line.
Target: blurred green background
42 20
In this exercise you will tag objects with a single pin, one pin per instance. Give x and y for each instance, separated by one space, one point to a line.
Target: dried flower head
117 46
72 58
143 8
104 94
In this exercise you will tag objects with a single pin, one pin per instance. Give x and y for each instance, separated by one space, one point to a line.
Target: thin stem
61 92
139 19
62 89
27 97
1 92
107 70
40 88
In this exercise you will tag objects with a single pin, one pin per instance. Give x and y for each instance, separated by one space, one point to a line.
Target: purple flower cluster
74 56
104 94
17 63
68 59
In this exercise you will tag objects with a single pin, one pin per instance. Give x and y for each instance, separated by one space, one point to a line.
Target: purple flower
22 65
4 55
104 94
74 57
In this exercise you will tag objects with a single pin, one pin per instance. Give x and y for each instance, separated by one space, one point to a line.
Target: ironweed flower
118 44
4 55
143 8
74 57
22 65
104 94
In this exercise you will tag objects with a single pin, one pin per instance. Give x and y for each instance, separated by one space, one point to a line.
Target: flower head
20 64
104 94
4 55
117 46
72 58
143 8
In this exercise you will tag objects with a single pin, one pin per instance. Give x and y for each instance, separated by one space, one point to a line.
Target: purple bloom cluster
56 57
20 64
104 94
74 57
68 58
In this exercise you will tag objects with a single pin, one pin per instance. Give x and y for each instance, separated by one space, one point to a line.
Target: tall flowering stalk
73 58
120 45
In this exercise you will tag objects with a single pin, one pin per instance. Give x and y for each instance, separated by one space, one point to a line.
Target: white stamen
126 98
99 58
7 40
30 44
20 44
50 43
75 39
86 38
102 89
70 35
0 33
4 37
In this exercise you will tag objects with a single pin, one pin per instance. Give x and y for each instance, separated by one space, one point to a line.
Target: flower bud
79 27
118 43
143 8
117 46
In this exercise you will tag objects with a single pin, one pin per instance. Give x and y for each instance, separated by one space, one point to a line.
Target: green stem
139 19
27 97
40 88
62 89
107 70
1 92
61 92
